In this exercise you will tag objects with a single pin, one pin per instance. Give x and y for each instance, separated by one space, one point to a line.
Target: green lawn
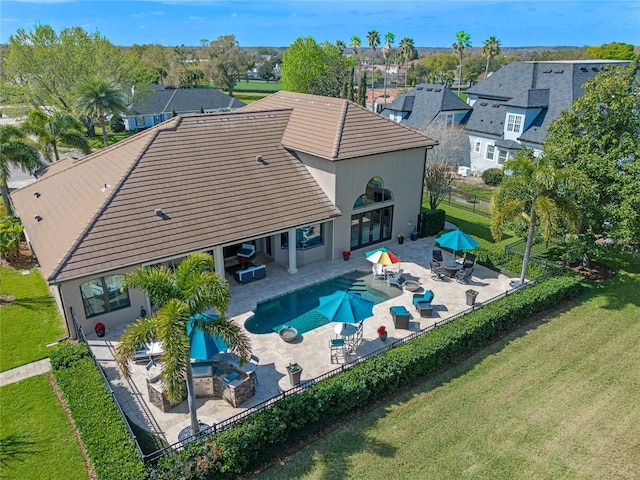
36 440
556 399
249 97
29 322
257 86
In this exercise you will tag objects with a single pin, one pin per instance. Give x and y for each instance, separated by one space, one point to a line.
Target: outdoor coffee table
424 309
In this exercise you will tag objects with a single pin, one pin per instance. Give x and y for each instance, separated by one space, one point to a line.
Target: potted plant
100 329
346 254
471 297
382 332
401 238
295 371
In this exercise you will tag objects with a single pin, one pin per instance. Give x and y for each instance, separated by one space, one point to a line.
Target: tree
453 143
43 67
228 62
265 71
362 90
355 43
386 53
545 196
59 129
463 40
613 51
341 45
15 150
600 136
373 38
490 49
437 180
98 98
319 69
407 48
180 295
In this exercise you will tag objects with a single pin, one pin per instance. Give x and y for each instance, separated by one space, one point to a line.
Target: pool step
305 322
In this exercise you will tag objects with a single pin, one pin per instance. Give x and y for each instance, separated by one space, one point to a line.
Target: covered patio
310 350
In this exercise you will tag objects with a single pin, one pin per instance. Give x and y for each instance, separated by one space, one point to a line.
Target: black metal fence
468 201
229 422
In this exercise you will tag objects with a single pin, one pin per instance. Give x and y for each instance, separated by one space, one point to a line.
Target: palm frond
136 334
157 282
230 332
173 317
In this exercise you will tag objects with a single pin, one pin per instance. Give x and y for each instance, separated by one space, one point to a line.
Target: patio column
218 258
293 267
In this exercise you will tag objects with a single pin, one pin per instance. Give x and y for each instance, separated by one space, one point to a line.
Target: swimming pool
297 309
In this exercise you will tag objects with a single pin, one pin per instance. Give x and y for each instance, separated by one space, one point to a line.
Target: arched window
374 193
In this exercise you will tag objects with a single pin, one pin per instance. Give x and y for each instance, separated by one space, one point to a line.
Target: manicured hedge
432 222
261 436
109 446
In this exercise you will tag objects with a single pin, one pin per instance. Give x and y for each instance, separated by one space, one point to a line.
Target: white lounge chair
247 250
396 279
378 271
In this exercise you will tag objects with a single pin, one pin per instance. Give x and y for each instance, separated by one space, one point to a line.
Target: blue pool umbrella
204 346
457 240
345 307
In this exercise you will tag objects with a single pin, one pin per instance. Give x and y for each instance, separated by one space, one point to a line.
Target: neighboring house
514 106
302 177
164 101
425 104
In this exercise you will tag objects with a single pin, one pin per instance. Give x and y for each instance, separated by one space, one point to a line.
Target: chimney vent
159 212
37 218
36 194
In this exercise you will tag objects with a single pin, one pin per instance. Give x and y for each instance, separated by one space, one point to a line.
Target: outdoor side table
424 309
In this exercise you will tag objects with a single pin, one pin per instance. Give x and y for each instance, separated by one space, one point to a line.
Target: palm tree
341 45
52 131
406 48
389 38
539 192
463 40
15 150
490 49
98 97
373 37
192 288
355 43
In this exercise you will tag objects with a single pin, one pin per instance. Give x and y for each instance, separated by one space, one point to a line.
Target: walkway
25 371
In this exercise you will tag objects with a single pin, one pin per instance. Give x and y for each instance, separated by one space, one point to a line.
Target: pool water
297 309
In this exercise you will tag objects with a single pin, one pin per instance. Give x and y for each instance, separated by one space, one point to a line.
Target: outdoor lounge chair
426 297
247 250
378 271
400 316
463 276
148 352
469 258
396 279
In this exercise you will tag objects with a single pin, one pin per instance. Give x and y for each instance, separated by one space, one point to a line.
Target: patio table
451 268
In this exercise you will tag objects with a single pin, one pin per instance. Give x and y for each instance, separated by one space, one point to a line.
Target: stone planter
471 297
383 336
288 334
295 372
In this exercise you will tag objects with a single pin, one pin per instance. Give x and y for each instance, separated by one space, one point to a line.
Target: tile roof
423 103
337 129
99 213
552 86
183 100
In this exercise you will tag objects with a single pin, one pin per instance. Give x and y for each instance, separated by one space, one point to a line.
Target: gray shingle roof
423 103
185 100
552 86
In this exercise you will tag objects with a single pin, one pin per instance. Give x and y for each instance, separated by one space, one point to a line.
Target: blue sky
278 23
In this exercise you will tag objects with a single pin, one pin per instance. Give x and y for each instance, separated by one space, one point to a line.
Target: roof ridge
101 208
340 129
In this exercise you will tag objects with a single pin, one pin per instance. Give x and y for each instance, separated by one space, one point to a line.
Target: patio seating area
309 350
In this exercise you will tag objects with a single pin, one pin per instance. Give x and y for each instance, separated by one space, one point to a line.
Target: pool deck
309 350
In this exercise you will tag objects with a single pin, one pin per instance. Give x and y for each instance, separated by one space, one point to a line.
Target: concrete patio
310 350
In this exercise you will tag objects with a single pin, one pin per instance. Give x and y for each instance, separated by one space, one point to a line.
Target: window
490 152
448 122
139 121
514 123
374 193
477 146
306 237
103 295
503 155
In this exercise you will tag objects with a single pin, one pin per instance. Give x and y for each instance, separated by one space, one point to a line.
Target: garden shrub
432 222
103 432
117 124
493 176
259 437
